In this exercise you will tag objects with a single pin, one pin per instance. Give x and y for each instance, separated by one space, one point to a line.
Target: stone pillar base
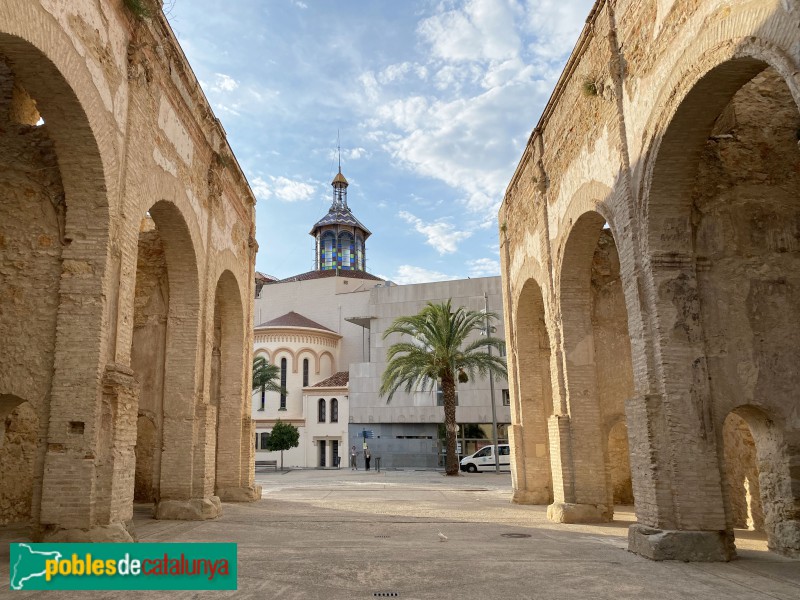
530 497
239 494
669 544
785 538
567 512
196 509
116 532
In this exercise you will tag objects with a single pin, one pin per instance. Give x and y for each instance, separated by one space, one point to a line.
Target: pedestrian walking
367 457
353 455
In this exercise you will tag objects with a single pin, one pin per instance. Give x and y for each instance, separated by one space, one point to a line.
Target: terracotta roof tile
340 379
293 319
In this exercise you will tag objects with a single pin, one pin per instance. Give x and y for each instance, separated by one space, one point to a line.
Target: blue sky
434 102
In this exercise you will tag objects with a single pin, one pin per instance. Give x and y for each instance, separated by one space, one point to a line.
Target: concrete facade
126 278
650 245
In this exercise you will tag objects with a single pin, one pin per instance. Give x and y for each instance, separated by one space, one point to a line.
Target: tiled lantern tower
340 236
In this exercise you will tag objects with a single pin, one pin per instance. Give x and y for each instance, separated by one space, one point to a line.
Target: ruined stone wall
741 475
676 121
127 131
31 238
148 354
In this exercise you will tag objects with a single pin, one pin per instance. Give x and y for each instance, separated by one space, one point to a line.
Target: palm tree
435 355
264 378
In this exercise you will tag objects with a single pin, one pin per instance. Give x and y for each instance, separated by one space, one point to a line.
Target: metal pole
491 389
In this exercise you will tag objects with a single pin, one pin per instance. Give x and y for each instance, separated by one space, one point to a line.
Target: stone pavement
352 535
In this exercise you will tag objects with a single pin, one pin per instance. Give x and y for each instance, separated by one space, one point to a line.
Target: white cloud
483 267
282 188
349 153
224 83
394 72
483 30
407 274
442 236
299 4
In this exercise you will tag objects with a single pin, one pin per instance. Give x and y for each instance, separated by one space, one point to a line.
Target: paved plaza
351 535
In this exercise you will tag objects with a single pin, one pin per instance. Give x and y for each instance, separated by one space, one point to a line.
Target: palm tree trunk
450 426
263 393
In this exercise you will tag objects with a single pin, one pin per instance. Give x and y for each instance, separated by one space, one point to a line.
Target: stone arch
763 474
721 199
59 280
598 371
262 352
165 360
532 400
227 388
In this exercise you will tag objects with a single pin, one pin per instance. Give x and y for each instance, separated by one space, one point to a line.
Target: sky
432 103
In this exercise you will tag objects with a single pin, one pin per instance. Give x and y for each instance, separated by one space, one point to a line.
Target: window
504 450
283 383
506 398
327 251
440 397
334 410
321 410
347 254
256 441
359 253
264 440
305 372
487 451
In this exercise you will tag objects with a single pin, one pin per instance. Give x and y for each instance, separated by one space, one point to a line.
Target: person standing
353 455
367 457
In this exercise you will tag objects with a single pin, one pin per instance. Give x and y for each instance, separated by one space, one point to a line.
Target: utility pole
491 387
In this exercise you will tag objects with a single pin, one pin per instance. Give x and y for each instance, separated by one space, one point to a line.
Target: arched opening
533 401
227 391
598 367
50 289
164 358
759 484
741 475
724 206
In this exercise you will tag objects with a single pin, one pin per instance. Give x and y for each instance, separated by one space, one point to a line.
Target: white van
483 459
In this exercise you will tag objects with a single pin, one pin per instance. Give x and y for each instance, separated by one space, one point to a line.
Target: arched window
359 253
327 251
347 253
321 410
256 441
334 410
264 440
305 372
283 383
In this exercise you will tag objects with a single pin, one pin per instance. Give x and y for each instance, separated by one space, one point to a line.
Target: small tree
264 378
283 437
439 352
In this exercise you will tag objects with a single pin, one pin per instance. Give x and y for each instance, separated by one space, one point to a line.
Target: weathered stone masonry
126 272
650 244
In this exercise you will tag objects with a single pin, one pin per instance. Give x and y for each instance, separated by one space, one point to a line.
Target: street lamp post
491 388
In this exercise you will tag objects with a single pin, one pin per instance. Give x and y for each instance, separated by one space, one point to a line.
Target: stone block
666 544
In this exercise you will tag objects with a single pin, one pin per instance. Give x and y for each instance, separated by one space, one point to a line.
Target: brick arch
704 282
699 87
177 404
532 398
45 63
597 364
228 390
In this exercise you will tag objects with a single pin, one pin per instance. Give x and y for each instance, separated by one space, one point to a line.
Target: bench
267 463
